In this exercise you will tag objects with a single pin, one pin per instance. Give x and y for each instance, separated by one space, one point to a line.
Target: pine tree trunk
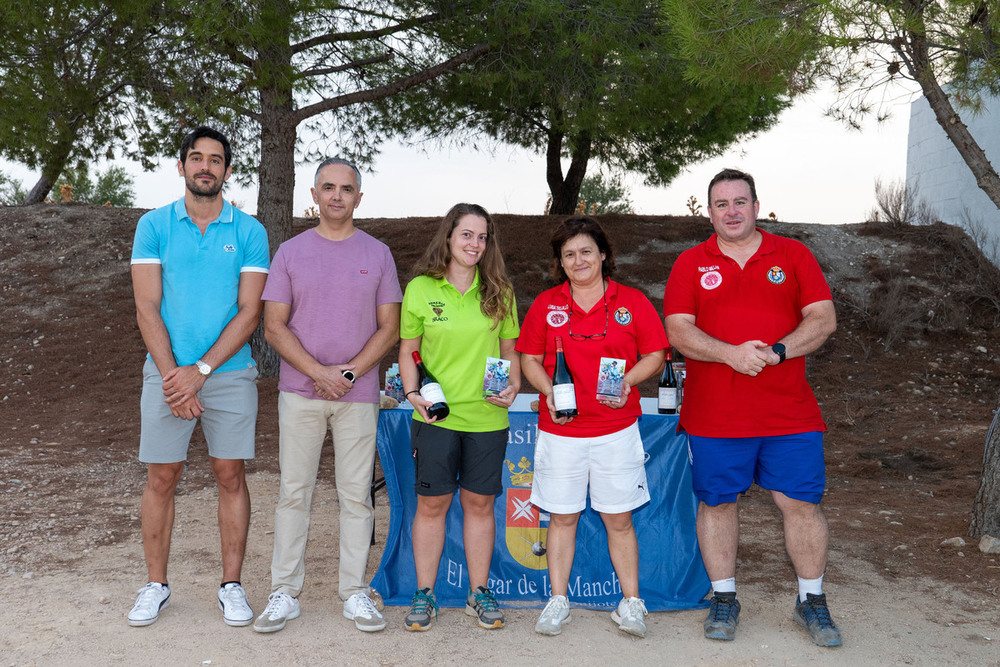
986 508
39 192
275 195
55 155
566 191
947 117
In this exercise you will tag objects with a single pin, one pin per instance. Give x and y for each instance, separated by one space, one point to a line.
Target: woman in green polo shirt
459 310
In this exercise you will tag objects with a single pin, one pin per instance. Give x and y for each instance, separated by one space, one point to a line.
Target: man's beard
208 190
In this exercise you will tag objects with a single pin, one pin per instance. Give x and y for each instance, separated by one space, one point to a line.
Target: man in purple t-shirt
331 310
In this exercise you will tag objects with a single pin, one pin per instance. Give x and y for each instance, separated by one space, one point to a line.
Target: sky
808 168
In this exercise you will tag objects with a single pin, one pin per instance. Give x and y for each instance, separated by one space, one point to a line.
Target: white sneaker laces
274 603
635 608
234 595
365 606
147 594
554 609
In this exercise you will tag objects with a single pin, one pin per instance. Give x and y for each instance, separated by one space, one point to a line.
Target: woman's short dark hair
571 227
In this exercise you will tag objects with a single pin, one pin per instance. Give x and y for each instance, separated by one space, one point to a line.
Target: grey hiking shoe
482 604
556 613
423 611
723 617
629 616
814 616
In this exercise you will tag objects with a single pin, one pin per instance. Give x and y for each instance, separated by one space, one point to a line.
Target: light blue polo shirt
201 274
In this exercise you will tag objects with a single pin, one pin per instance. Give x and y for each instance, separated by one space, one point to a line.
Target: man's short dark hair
210 133
732 175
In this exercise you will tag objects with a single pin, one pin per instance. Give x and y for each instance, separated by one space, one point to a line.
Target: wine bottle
667 402
430 390
563 390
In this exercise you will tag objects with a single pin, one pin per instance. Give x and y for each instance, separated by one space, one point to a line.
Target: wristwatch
779 350
349 375
203 368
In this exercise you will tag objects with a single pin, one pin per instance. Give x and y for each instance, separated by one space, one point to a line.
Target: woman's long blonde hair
496 293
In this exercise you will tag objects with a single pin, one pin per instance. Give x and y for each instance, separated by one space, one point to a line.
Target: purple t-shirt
333 288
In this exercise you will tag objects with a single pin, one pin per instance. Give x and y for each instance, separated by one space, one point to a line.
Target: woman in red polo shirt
596 318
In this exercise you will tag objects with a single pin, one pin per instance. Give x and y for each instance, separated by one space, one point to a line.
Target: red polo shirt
633 327
763 300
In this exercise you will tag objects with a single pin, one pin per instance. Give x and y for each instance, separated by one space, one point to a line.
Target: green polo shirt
455 339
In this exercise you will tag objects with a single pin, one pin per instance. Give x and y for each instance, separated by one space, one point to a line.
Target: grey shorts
230 402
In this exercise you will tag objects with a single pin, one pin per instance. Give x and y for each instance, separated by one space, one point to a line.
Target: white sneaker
153 597
233 603
280 608
629 615
556 613
360 609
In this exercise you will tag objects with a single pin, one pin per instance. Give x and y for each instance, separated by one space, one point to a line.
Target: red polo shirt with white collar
633 329
763 300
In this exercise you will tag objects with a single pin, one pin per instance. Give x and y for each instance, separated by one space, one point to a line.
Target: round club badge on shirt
711 279
622 316
557 318
776 275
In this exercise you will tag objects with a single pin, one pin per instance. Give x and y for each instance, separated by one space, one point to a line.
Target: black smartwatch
779 350
350 374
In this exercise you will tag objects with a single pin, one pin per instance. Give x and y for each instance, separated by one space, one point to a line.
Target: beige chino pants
303 424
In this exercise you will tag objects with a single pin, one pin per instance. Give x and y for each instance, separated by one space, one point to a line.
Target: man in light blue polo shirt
198 271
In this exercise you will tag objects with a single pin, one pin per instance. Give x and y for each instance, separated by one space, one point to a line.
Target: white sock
814 586
724 585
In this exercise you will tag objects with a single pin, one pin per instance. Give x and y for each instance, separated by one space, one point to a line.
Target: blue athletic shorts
724 468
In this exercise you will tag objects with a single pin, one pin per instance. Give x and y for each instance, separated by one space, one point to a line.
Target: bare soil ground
908 385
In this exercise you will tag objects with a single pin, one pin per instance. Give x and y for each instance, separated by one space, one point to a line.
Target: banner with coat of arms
671 574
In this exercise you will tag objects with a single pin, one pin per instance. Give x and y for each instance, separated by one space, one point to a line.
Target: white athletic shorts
613 465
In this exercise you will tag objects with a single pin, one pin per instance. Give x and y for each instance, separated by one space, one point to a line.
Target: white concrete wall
935 168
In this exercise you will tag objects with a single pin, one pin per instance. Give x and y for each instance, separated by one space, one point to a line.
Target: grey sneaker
629 615
280 609
423 612
482 604
814 616
723 617
556 613
153 597
233 603
360 609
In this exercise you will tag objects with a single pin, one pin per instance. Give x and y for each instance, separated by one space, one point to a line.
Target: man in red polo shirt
744 308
